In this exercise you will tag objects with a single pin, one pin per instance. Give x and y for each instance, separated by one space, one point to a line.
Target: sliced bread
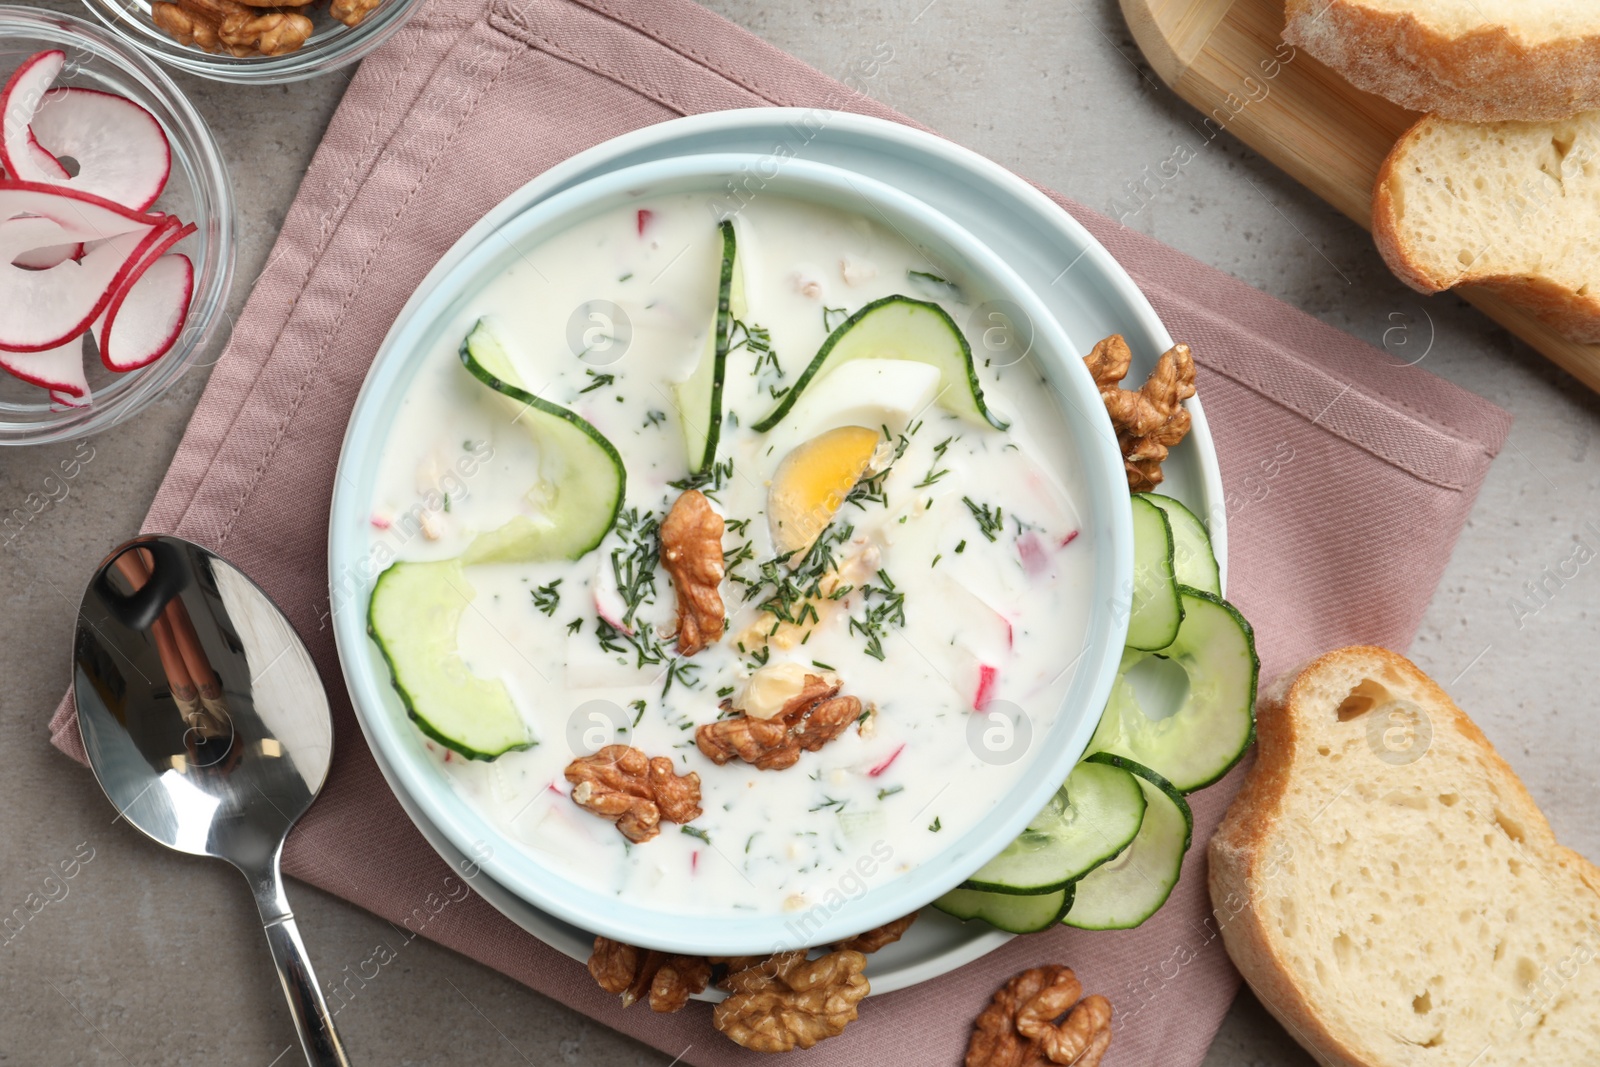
1482 60
1392 893
1509 206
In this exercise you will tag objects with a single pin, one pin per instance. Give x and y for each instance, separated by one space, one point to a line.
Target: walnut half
879 937
636 792
807 721
635 972
226 25
1020 1027
1148 420
787 1001
691 552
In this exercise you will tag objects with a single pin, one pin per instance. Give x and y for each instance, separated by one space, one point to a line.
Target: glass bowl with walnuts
255 41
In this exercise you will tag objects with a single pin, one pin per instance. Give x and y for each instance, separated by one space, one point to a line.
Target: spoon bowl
207 726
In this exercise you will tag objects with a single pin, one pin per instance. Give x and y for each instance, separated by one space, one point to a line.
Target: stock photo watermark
52 889
451 487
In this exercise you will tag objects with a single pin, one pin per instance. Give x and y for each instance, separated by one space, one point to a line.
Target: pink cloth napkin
1348 477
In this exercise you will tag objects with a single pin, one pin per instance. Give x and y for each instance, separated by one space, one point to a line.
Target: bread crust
1241 848
1482 76
1574 315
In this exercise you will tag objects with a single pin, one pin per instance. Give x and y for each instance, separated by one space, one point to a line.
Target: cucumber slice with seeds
700 395
1012 912
1157 610
582 477
898 327
1091 818
1125 892
1214 722
414 617
1193 562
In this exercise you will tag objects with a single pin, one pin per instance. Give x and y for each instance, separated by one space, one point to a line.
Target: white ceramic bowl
1107 534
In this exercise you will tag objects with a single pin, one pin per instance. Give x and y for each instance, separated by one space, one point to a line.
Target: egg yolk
812 482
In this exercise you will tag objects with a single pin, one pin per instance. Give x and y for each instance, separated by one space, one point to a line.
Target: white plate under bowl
1083 286
446 314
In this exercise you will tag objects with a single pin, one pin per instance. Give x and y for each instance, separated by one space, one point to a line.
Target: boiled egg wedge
841 430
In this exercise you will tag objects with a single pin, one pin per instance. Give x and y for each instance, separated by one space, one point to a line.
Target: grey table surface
145 957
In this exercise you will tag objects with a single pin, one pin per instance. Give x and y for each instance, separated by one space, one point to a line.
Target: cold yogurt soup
899 527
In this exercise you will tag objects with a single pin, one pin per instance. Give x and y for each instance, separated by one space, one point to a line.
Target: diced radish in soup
988 677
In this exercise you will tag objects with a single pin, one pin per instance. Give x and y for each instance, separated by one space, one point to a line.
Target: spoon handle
318 1038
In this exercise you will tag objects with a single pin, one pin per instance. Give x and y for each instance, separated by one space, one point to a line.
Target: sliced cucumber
1193 562
1214 722
700 395
582 477
414 616
1012 912
898 327
1089 820
1157 610
1125 892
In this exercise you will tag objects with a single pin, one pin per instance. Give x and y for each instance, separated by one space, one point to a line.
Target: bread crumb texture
1514 206
1404 900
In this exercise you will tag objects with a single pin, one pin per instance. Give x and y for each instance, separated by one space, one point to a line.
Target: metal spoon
208 727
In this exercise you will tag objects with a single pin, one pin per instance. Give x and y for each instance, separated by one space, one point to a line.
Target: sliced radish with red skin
144 320
48 165
120 148
18 101
49 256
59 369
53 306
66 402
86 216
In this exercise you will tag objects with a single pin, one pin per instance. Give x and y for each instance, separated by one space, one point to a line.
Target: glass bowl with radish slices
116 230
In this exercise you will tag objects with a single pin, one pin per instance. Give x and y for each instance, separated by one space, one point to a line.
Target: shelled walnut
636 792
872 940
787 1001
249 27
691 552
806 722
1037 1019
1148 420
232 27
665 981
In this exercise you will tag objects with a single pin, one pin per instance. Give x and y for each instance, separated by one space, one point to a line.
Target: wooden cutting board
1228 59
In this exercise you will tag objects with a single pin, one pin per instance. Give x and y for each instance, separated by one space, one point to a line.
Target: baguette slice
1392 893
1477 60
1513 207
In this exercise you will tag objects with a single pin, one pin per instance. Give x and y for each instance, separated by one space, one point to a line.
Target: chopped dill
990 521
935 472
829 322
695 831
575 625
884 794
601 380
548 597
889 610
